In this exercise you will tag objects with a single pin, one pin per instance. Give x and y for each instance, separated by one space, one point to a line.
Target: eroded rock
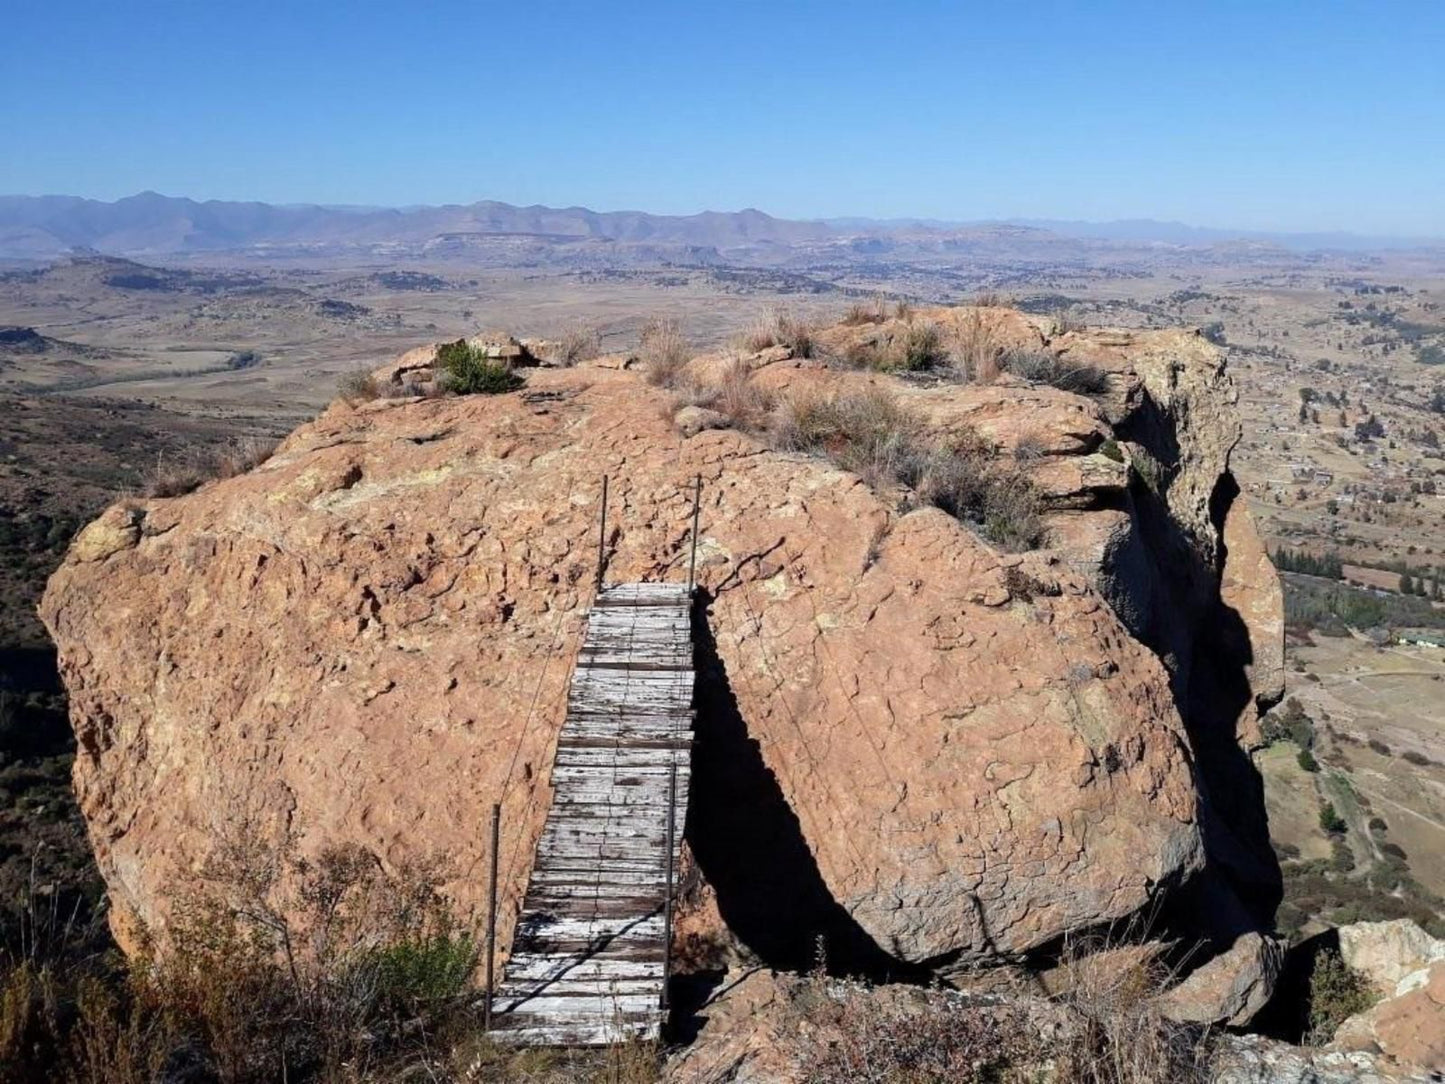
918 749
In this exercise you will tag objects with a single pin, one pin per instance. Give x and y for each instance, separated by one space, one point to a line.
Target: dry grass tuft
779 327
855 1039
745 403
179 475
869 433
664 351
1065 321
358 386
1119 1035
870 312
975 348
578 344
1042 367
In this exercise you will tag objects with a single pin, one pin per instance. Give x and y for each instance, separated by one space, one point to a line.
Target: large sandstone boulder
910 746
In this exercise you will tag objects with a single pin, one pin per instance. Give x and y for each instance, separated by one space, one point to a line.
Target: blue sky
1259 115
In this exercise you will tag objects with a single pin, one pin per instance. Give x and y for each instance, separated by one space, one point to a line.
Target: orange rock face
910 745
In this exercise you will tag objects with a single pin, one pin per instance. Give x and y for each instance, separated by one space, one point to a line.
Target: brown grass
279 968
1043 367
975 348
358 386
869 433
664 351
578 344
1104 1030
865 312
779 327
178 475
1119 1034
746 404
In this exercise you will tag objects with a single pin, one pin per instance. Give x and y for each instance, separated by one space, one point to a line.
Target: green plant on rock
464 369
1336 994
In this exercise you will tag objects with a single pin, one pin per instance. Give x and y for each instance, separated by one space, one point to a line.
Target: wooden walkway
588 959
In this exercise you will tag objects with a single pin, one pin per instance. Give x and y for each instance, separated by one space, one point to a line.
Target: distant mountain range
149 224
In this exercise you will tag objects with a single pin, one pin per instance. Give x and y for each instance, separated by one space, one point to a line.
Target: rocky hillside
981 657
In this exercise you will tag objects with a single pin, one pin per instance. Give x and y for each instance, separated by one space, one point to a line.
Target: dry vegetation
870 433
1042 367
779 327
663 351
279 969
578 344
1103 1029
181 474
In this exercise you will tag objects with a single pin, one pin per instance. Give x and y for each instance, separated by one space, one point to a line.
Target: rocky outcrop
1387 953
1406 966
910 746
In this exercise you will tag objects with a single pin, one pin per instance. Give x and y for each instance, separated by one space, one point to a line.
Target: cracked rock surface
368 640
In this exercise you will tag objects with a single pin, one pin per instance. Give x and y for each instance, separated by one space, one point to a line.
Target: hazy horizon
1139 226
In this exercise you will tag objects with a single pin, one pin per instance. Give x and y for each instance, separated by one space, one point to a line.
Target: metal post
667 901
492 914
602 533
692 561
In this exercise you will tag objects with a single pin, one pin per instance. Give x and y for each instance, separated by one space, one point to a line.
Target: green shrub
1110 450
1342 859
464 369
1307 761
1336 994
1330 820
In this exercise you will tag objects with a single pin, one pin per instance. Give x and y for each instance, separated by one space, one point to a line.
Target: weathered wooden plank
587 962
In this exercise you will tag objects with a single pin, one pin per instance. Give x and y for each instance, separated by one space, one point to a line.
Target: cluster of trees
1369 428
1334 608
1418 585
1328 565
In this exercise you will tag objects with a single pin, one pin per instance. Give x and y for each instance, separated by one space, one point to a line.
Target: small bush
1041 367
578 344
358 386
921 347
463 369
974 348
1110 450
1342 859
1379 747
778 327
1420 760
740 398
1336 994
664 352
1148 470
1307 761
1330 821
860 313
